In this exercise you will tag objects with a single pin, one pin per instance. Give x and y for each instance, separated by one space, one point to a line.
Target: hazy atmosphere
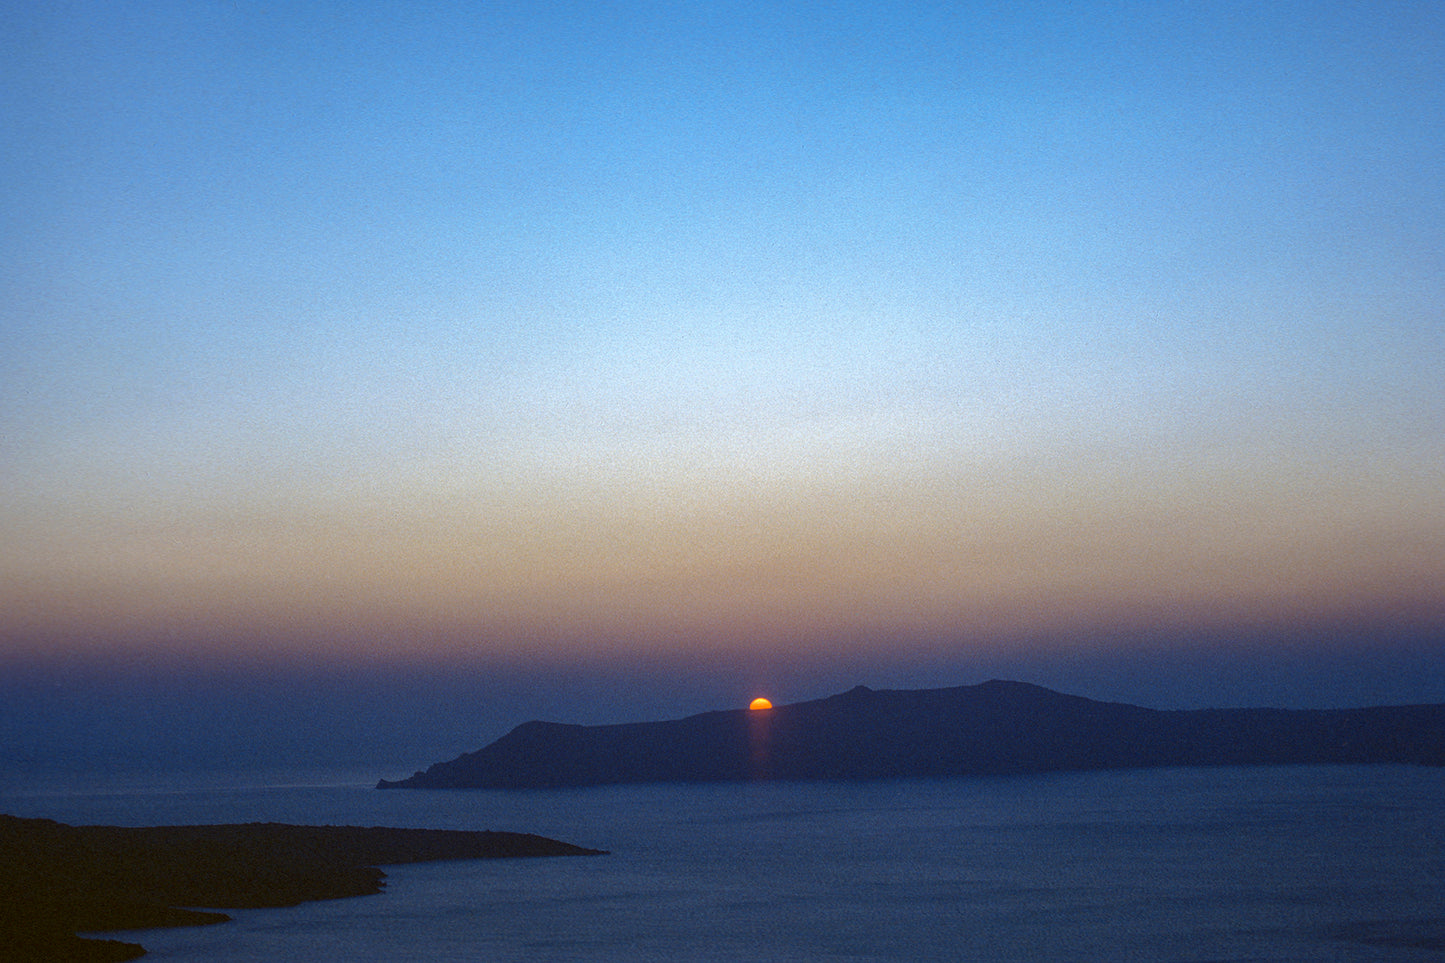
375 377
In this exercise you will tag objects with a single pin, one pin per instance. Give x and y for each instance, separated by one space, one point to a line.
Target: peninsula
989 729
58 880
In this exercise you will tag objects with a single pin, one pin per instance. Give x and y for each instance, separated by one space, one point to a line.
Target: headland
995 728
58 880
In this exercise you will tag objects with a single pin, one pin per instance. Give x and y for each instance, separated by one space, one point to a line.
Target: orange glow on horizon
759 703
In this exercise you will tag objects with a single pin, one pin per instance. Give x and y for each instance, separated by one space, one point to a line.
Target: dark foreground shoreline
58 880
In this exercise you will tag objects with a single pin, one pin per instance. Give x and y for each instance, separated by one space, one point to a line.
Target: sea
1242 864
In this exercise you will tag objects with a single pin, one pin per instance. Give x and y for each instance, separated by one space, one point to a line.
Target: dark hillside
993 728
56 879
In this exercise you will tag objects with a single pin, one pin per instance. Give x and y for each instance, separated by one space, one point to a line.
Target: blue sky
869 335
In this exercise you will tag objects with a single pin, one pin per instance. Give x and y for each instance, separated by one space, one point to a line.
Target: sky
596 361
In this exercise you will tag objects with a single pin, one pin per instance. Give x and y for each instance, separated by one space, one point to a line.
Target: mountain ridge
992 728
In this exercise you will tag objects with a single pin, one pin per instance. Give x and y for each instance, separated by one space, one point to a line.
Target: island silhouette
57 880
995 728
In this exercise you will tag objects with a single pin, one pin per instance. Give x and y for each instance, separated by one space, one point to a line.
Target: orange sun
760 703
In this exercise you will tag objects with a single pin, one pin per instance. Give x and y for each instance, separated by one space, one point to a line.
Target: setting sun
760 703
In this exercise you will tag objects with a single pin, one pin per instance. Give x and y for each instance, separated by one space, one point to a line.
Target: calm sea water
1298 863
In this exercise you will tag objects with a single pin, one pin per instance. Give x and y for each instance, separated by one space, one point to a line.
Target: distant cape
990 729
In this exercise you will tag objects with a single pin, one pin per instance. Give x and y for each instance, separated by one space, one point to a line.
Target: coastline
57 880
